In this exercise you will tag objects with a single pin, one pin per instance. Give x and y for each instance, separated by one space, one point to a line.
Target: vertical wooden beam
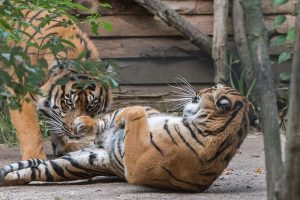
256 37
219 50
241 41
291 183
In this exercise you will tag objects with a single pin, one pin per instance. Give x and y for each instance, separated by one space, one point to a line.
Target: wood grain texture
164 70
189 7
149 26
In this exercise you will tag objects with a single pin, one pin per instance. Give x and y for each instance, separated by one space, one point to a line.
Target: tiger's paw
85 125
131 114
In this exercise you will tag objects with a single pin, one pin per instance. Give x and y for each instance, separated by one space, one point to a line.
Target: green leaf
95 28
279 40
284 56
107 26
105 5
279 19
291 35
280 2
284 76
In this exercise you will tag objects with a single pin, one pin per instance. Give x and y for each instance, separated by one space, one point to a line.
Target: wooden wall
152 54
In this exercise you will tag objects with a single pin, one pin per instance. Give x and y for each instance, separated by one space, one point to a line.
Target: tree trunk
292 157
265 89
172 18
241 41
219 47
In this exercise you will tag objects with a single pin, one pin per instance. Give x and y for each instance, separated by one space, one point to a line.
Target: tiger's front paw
85 125
131 114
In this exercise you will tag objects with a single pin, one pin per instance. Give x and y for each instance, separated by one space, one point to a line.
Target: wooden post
219 47
172 18
256 36
291 185
241 41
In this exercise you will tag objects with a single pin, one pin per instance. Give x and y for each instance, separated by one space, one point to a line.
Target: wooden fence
152 54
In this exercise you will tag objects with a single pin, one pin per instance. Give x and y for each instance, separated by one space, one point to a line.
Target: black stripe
39 171
79 174
49 177
223 146
58 170
237 107
120 138
199 131
207 174
33 174
116 159
186 143
88 54
20 165
186 124
27 13
166 127
34 16
59 24
92 158
77 165
155 145
201 187
18 174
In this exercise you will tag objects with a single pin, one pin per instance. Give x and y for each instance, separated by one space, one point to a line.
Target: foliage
28 76
8 132
238 80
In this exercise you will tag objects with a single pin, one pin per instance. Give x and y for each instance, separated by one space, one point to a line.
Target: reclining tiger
64 100
146 147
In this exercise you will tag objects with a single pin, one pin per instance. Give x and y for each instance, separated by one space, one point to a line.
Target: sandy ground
243 179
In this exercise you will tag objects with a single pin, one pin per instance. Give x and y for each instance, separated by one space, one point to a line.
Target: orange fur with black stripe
145 147
65 102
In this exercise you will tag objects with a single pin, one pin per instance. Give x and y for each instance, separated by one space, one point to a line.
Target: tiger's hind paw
129 114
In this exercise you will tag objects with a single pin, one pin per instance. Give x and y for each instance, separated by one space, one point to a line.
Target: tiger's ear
223 103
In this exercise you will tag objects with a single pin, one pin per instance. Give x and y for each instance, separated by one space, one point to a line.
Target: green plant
237 78
28 76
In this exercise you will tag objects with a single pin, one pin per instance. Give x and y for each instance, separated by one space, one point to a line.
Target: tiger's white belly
158 122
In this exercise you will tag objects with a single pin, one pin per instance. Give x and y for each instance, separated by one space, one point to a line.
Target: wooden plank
189 7
148 26
145 47
164 70
155 96
163 47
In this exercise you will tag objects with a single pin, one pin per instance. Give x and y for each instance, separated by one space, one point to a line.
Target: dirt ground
243 179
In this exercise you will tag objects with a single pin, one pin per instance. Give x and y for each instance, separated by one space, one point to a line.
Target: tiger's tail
74 166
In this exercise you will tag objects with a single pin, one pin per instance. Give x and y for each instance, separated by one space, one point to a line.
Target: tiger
146 147
63 100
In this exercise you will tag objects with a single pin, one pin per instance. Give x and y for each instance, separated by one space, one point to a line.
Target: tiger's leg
74 166
28 131
136 142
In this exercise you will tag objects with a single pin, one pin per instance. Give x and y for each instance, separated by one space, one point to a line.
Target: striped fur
60 102
158 150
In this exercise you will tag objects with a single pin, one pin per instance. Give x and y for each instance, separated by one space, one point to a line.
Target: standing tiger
65 101
145 147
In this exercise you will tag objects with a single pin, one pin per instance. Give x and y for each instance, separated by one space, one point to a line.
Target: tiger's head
218 106
70 95
219 100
